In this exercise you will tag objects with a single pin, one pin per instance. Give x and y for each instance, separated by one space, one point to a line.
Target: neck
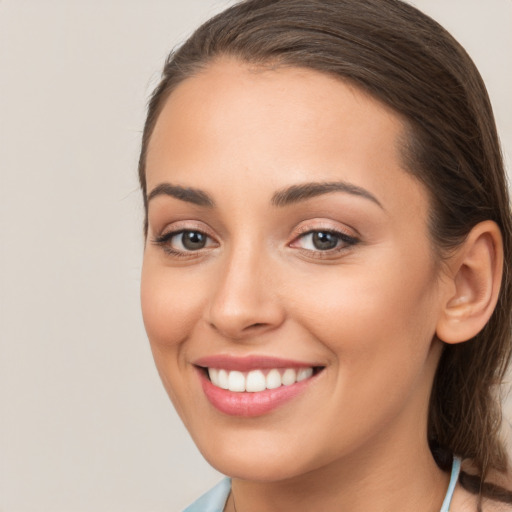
412 482
393 470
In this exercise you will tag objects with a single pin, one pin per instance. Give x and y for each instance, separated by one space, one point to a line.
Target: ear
472 284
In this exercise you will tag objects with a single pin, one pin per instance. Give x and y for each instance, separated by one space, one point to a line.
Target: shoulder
503 482
496 506
464 501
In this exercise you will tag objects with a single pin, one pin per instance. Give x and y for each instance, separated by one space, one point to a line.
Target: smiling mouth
258 380
253 386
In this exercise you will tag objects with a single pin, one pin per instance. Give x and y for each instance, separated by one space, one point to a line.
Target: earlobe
472 285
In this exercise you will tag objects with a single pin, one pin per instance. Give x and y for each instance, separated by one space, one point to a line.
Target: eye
324 240
189 240
184 241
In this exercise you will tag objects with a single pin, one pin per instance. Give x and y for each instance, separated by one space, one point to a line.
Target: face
287 260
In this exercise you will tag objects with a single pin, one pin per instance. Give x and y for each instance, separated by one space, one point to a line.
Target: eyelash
347 242
165 239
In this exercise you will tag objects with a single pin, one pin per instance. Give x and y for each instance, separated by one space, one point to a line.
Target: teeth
236 381
256 380
273 379
304 373
214 376
223 381
289 377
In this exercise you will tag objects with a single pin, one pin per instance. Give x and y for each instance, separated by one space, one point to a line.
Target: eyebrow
284 197
188 194
304 191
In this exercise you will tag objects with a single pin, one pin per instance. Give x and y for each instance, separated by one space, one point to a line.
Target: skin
367 312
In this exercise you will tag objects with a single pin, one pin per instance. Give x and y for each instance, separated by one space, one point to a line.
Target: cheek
171 305
364 316
170 309
378 330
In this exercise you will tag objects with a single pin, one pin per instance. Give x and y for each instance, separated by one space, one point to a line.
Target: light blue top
215 499
451 486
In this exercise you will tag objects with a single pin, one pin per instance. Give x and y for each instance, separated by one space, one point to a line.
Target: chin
260 470
268 463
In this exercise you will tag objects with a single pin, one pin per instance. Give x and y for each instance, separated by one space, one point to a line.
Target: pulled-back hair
409 62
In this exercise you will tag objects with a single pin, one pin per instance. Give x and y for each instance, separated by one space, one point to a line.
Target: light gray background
84 422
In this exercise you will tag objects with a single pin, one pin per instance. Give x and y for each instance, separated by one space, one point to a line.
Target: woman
326 273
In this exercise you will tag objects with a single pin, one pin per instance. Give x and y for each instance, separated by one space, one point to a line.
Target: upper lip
248 363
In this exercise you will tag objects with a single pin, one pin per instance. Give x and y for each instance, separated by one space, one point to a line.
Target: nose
245 303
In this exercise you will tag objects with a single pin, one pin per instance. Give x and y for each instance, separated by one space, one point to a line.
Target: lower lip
251 404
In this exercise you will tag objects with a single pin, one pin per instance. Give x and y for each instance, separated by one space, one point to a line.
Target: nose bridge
244 301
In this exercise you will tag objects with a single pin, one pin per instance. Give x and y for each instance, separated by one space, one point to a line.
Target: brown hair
409 62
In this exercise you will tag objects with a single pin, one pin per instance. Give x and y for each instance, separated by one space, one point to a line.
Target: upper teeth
256 380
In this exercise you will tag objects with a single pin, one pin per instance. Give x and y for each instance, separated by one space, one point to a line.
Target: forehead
233 121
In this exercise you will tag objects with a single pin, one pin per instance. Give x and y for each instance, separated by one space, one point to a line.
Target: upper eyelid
347 234
323 225
180 226
337 232
164 240
166 236
303 228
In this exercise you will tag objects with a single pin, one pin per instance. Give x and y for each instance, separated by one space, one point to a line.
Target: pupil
324 240
193 240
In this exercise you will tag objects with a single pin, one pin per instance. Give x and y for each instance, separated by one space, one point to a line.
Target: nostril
256 326
243 318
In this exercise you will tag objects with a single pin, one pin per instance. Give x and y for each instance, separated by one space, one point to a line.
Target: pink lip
248 363
250 404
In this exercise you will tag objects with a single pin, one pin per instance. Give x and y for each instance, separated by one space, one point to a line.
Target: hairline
405 140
